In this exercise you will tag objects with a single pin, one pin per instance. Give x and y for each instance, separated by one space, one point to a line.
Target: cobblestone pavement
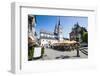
56 54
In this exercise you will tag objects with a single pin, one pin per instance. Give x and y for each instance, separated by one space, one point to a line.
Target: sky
48 23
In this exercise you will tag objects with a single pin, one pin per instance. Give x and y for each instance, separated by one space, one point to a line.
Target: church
48 38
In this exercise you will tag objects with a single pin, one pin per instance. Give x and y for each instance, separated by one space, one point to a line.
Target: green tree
85 37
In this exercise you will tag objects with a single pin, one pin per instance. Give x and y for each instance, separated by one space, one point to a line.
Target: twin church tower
58 31
47 38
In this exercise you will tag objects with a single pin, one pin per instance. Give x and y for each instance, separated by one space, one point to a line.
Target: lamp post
77 49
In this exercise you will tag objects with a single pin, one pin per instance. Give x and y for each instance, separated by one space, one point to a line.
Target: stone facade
76 33
31 29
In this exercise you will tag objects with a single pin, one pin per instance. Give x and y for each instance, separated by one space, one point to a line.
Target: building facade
31 29
76 33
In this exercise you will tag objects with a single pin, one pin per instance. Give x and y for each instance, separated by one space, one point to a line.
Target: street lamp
77 49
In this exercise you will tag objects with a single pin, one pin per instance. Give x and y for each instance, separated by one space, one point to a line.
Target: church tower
56 30
60 30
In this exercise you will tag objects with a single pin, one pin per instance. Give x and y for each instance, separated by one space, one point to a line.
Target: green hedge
30 53
42 51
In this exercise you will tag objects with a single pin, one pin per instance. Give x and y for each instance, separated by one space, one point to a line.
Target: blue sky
48 23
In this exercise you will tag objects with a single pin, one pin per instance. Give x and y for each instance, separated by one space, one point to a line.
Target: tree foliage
85 37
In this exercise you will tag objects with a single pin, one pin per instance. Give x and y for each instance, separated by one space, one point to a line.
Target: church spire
59 21
55 30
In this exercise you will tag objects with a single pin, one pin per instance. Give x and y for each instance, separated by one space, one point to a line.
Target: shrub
42 51
30 53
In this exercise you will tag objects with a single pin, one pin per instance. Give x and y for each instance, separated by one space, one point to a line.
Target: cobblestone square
57 54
